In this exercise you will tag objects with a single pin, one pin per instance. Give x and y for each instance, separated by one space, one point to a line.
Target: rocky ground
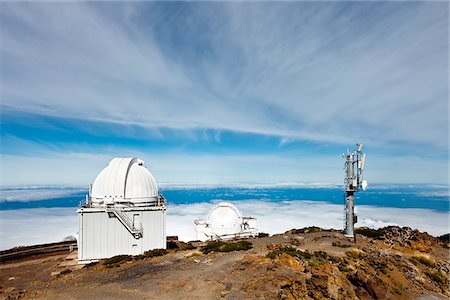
310 263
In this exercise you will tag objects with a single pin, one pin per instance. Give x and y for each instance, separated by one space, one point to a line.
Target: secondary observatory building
124 213
224 221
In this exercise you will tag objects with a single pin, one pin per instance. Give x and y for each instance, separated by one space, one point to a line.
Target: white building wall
154 235
103 236
201 232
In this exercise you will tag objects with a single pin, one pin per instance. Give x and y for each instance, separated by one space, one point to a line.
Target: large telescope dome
125 181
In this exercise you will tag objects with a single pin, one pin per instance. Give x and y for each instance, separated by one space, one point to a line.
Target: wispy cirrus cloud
318 71
226 84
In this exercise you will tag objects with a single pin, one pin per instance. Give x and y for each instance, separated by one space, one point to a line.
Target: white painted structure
224 221
124 213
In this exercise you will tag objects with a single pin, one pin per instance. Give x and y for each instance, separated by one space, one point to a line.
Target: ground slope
392 263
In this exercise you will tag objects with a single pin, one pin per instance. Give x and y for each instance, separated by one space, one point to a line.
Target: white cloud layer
34 226
277 217
36 193
24 227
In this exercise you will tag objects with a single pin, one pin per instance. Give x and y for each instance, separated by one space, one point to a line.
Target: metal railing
127 222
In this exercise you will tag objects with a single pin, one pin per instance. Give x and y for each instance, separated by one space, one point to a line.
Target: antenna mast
354 165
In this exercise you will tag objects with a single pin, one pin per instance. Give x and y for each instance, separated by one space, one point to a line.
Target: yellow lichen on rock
289 261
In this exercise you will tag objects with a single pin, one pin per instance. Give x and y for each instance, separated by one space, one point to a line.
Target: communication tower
354 165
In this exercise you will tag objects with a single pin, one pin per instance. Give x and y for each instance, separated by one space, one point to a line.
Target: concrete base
85 262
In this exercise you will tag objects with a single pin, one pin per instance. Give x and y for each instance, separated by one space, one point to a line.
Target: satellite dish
364 185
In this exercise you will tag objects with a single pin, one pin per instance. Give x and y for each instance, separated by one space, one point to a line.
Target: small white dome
224 221
124 180
224 215
70 238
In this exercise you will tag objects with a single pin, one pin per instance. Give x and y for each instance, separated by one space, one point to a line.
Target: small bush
424 260
226 247
288 250
188 247
115 261
377 234
344 268
89 265
354 253
263 234
151 253
444 238
312 259
155 252
324 257
437 276
65 271
310 229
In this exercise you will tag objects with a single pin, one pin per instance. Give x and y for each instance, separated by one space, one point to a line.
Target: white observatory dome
224 215
224 221
124 180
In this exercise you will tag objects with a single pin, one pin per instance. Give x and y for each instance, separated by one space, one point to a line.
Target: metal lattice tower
354 165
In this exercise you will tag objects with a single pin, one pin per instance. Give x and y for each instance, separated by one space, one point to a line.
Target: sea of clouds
41 225
36 193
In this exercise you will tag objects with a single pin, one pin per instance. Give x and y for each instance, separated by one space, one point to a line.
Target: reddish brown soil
373 269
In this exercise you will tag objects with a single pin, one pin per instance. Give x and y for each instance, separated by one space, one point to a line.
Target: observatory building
224 221
124 213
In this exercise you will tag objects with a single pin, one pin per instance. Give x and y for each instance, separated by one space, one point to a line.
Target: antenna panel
362 161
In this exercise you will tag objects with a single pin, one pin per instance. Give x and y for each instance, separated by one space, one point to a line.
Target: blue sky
224 92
